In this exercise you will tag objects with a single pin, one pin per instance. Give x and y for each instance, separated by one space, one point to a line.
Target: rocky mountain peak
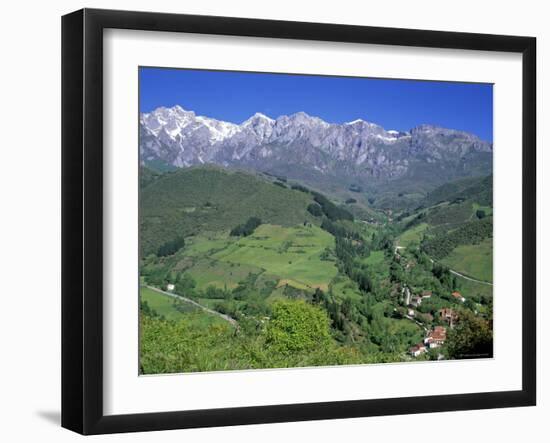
179 137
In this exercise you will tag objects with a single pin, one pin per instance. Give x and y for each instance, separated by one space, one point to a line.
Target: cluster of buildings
437 336
434 339
414 300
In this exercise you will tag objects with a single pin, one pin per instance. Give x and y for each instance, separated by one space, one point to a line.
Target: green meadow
173 309
164 305
473 260
292 254
413 234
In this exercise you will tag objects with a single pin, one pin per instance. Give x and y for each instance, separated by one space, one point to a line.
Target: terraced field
291 254
219 273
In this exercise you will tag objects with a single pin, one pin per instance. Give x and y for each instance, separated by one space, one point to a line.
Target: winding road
458 274
452 271
194 303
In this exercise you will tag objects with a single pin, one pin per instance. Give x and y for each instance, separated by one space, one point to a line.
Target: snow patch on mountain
181 138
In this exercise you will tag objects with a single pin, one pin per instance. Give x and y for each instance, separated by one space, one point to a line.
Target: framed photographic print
269 221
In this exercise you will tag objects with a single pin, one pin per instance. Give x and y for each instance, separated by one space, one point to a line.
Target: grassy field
473 260
206 243
290 253
472 289
374 258
172 309
413 234
161 304
343 287
220 274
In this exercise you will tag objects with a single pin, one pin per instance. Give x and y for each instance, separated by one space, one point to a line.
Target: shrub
297 326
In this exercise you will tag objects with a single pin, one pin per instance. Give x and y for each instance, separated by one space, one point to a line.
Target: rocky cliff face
358 148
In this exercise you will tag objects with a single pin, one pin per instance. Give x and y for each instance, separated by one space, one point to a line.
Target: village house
170 287
449 316
417 299
436 337
417 350
457 295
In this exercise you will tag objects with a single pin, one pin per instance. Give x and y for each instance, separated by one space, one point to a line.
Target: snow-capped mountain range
181 138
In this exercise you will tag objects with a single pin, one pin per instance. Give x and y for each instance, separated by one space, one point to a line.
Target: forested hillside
189 201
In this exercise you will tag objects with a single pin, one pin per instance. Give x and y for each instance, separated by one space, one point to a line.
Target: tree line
247 228
470 233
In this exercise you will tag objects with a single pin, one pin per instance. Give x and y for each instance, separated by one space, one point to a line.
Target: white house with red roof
457 295
436 337
417 350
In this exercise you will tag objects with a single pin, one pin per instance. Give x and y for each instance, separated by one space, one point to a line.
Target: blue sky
393 104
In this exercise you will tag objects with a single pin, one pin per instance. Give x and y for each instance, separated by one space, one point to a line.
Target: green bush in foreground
201 342
297 326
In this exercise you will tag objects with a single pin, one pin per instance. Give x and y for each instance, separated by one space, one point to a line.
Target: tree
315 210
248 228
318 296
472 337
480 213
297 326
185 285
332 211
171 247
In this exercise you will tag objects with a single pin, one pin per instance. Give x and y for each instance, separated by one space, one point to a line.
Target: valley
308 277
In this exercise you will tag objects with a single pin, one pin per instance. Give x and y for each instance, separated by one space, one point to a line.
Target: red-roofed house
458 296
417 350
436 337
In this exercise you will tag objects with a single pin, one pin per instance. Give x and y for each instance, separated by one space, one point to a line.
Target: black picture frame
82 215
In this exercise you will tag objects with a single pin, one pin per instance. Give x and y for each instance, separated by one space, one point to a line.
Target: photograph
292 220
266 222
